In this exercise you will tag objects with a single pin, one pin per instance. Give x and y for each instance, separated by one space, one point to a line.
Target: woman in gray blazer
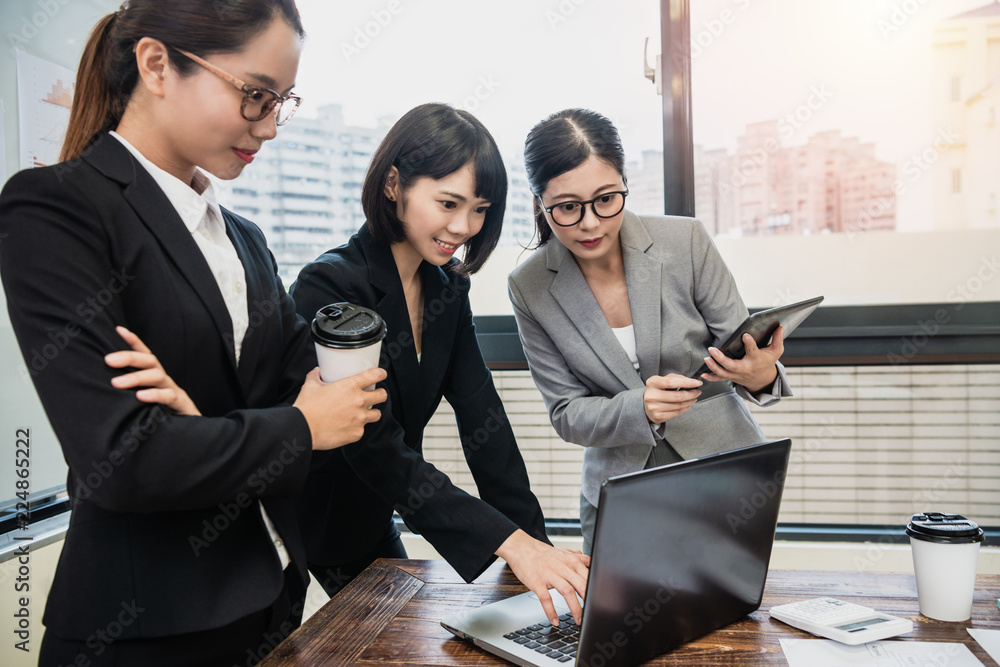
615 311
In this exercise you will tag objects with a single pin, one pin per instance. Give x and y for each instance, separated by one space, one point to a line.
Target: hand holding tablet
761 326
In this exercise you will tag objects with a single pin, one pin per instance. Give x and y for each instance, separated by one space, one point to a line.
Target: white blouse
626 338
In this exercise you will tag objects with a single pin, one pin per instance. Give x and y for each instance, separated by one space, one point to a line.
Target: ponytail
94 103
108 71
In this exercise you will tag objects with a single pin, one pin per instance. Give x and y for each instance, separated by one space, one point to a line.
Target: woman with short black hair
436 184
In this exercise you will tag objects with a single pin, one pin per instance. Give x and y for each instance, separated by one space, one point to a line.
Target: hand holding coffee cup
348 340
337 412
338 398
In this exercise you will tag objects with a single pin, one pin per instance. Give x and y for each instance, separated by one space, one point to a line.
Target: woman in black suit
436 183
183 547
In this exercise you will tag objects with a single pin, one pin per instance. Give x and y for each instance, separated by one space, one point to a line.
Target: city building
304 190
645 184
830 184
965 80
519 218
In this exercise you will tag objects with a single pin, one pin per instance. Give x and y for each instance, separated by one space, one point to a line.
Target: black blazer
349 498
165 516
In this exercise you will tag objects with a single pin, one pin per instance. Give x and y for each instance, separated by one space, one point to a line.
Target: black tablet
761 325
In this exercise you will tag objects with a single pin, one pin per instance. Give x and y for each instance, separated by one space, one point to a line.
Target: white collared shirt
198 208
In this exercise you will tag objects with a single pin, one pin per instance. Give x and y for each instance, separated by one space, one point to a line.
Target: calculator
841 621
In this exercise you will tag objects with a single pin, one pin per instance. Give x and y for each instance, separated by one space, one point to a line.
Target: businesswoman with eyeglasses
183 547
616 310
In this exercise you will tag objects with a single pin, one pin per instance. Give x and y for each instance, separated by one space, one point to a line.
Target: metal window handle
654 74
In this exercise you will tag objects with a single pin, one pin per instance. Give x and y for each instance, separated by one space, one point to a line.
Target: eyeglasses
257 101
569 213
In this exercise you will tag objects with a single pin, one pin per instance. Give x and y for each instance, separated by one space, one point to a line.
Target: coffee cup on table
348 340
945 551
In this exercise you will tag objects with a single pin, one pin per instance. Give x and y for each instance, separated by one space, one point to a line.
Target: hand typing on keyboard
541 567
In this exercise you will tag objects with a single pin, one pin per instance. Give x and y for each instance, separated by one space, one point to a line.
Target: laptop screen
680 551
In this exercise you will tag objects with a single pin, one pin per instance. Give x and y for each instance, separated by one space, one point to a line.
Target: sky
753 59
511 63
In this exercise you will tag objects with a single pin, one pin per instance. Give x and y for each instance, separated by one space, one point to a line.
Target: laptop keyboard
558 643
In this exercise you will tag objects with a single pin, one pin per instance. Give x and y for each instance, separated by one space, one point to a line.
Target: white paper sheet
827 653
989 640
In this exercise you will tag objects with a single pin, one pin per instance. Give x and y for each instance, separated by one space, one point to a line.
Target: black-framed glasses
257 101
569 213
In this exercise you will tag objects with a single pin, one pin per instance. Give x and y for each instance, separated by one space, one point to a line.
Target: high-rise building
830 184
519 220
304 190
645 184
966 94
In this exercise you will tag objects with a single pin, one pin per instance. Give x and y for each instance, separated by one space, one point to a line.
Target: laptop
679 551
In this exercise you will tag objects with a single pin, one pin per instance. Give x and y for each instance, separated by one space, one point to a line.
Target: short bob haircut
561 143
436 140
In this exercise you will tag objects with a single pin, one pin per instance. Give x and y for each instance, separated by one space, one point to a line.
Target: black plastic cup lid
347 326
944 528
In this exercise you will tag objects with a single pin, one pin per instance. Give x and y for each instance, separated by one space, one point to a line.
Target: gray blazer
683 299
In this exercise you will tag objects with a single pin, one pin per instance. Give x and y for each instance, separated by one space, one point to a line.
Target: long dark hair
435 140
563 142
108 72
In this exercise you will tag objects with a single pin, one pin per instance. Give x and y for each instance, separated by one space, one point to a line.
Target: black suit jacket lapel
398 346
154 209
441 310
258 309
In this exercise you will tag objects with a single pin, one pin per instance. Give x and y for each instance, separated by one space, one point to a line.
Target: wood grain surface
390 615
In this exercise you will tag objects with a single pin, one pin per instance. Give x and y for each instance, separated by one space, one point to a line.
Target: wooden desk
390 616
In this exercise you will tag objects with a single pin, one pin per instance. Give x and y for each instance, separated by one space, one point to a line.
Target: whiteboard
53 32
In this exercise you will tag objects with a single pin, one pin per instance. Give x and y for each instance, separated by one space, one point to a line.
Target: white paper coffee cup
348 340
945 551
339 363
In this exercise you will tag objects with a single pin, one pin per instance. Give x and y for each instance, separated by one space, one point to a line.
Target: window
879 432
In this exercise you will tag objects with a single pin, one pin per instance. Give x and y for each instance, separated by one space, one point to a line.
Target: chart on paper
44 97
